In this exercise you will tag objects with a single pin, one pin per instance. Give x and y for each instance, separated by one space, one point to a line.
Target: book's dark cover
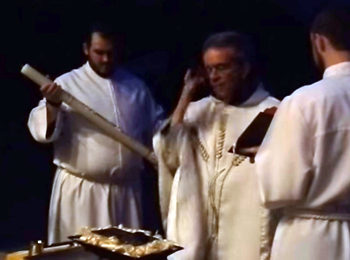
254 134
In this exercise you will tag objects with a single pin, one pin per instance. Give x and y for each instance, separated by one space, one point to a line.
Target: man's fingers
45 87
51 91
187 75
48 90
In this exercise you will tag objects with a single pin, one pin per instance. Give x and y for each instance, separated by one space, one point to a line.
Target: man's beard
103 70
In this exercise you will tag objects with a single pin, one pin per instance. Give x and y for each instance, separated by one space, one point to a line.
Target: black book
254 134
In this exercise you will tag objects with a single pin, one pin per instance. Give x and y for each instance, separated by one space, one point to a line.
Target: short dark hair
101 28
334 23
230 39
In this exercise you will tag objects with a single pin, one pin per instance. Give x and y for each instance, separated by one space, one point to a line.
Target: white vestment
97 182
304 167
209 196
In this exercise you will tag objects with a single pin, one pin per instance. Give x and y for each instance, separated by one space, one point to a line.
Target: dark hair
101 28
230 39
334 23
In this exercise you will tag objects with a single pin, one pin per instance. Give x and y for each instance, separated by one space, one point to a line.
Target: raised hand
192 85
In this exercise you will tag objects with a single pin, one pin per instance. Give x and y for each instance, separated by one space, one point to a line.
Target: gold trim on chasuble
213 209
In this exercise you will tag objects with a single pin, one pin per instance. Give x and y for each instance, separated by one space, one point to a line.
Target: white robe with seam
97 182
304 164
210 205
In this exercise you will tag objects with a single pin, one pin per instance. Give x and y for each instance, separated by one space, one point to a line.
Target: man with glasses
209 195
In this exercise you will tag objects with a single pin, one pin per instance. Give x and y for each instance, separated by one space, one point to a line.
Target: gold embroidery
236 161
221 137
212 187
204 153
213 207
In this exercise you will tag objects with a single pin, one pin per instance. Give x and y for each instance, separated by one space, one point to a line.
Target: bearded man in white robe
97 182
209 195
303 164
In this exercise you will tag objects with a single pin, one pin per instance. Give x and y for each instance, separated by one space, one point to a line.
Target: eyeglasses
220 69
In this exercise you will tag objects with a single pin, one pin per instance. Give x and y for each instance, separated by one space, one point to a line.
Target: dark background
161 37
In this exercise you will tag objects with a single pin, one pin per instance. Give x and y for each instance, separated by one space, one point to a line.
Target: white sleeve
37 123
164 148
284 161
180 191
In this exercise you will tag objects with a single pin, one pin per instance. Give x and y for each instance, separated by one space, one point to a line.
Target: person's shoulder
324 88
310 97
265 99
312 90
69 75
271 101
131 85
129 79
196 109
200 104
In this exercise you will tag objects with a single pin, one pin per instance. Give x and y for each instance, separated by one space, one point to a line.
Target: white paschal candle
94 117
34 75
